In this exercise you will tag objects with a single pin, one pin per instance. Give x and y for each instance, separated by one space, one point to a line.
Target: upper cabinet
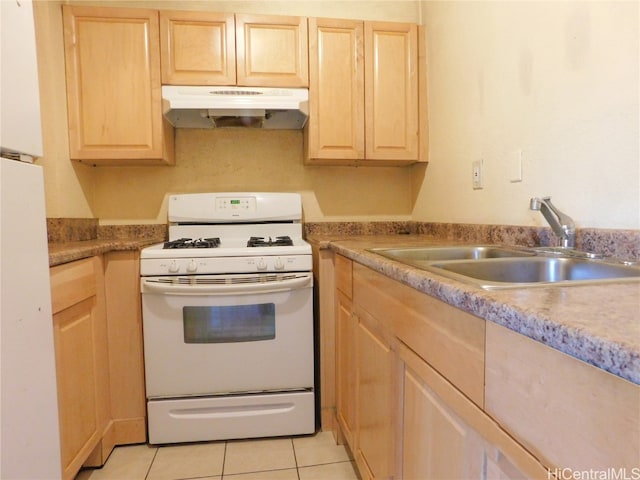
391 91
335 129
365 93
272 51
200 48
113 87
197 48
367 84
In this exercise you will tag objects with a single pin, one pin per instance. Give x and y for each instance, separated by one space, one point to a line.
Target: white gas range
228 320
212 233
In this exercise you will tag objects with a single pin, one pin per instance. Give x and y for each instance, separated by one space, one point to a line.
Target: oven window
235 323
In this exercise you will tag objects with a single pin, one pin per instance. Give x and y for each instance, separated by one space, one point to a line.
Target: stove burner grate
193 243
282 241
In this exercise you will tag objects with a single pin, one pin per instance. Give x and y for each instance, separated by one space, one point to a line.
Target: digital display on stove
236 205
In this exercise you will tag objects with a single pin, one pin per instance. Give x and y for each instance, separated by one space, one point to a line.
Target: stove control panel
277 264
235 204
211 266
248 207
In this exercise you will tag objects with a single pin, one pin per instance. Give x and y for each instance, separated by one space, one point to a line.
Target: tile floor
315 457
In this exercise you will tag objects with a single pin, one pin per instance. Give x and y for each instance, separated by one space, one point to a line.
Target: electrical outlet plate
476 170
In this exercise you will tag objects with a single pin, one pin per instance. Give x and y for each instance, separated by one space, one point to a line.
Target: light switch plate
476 169
515 166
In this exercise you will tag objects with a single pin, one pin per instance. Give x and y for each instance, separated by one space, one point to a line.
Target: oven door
221 334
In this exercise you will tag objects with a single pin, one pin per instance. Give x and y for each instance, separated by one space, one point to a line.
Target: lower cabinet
346 367
553 402
98 343
438 393
445 435
82 359
410 420
126 358
376 399
437 443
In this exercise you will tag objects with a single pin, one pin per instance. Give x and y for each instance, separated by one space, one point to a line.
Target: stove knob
192 266
279 265
262 265
174 267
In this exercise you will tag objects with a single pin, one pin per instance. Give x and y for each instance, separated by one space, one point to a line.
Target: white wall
558 80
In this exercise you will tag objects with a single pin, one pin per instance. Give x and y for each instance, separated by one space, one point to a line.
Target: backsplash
359 228
61 230
122 232
624 244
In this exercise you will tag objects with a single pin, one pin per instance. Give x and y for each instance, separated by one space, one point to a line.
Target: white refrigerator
30 440
29 429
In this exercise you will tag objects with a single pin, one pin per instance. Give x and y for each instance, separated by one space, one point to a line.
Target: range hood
216 107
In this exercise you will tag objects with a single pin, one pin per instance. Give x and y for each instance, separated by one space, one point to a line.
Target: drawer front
72 282
450 340
344 275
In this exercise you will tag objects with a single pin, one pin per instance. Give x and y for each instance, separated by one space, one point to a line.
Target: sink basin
418 255
496 267
534 271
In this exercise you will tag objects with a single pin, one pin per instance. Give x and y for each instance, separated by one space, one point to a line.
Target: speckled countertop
599 324
64 252
76 238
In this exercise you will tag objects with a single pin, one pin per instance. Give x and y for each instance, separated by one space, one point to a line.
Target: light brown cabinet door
346 387
76 367
436 443
80 338
445 435
391 91
113 86
363 96
197 48
375 445
336 90
271 51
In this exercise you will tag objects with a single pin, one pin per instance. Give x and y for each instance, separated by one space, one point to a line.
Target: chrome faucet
560 223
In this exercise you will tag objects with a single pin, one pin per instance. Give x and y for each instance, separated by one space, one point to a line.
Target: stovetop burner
193 243
282 241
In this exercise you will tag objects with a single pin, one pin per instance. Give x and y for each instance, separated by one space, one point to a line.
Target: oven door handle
149 286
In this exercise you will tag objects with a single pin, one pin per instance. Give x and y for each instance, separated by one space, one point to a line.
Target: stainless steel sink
496 267
460 252
535 271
